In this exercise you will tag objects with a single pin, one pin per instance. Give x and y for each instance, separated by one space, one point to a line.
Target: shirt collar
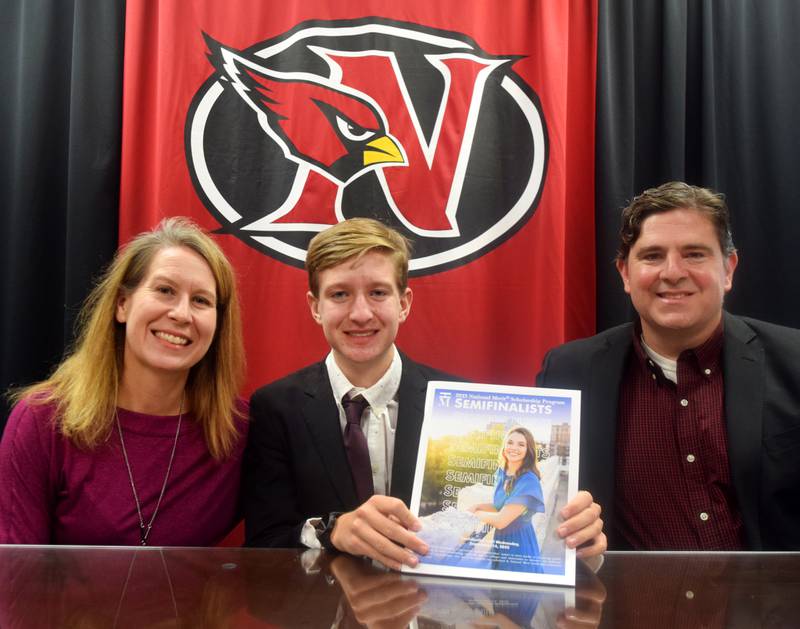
708 353
668 366
379 394
705 357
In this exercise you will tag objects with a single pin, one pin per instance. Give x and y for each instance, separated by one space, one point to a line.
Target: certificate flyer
495 465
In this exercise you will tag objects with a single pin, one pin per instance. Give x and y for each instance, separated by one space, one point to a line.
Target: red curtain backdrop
489 316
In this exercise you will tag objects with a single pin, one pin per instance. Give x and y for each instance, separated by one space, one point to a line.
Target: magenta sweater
52 492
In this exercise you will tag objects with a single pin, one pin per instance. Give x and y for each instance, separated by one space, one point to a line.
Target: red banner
469 126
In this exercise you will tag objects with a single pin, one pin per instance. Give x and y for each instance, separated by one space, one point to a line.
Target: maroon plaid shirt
673 485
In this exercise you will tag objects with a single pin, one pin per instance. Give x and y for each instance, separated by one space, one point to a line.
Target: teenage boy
319 470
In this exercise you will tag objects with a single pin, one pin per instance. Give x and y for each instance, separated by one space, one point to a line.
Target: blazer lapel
411 407
599 431
743 369
322 419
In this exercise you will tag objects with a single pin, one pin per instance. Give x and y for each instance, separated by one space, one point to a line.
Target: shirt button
689 594
654 376
684 402
707 372
690 458
704 516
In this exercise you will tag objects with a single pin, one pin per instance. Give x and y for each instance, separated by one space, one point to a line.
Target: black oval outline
431 270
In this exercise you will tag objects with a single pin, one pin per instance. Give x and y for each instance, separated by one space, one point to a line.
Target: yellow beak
382 150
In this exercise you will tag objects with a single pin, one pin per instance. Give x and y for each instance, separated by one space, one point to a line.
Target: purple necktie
355 443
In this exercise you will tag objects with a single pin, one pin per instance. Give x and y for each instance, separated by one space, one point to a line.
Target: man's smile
674 295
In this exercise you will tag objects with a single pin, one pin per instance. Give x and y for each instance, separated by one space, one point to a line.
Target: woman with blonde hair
517 497
137 436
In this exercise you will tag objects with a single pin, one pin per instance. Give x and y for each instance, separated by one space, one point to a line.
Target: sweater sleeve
27 479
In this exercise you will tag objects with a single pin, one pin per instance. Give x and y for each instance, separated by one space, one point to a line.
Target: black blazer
761 368
295 465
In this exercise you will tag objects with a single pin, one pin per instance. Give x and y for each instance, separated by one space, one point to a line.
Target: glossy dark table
230 587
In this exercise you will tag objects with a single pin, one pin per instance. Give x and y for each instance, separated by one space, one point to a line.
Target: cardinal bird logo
417 127
337 131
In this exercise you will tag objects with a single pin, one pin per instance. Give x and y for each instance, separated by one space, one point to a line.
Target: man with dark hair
691 416
332 448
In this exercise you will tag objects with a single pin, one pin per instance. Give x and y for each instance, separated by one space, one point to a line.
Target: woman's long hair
528 463
84 386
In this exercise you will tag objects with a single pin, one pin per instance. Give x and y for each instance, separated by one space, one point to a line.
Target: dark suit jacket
295 465
761 367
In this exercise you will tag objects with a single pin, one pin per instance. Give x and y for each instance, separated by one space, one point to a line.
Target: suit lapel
601 408
411 407
743 369
322 419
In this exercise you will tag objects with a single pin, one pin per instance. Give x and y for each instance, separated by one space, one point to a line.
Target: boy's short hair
354 238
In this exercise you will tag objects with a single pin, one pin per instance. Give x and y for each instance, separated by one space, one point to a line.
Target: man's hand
381 529
590 594
582 526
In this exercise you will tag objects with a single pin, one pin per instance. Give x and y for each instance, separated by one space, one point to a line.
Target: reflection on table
224 587
709 590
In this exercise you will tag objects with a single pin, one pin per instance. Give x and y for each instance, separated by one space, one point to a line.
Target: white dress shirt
378 423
